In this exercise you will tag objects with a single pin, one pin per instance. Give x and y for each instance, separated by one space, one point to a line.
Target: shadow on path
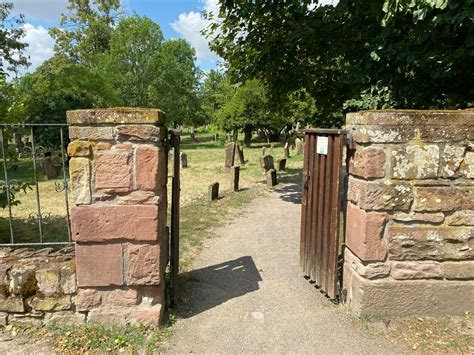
291 191
216 284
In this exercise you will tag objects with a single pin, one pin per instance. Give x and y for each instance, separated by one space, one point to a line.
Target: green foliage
9 194
357 54
132 61
176 83
104 60
11 46
86 29
209 94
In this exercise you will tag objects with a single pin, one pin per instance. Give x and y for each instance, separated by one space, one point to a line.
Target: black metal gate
175 142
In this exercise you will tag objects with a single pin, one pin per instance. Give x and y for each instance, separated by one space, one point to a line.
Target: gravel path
246 293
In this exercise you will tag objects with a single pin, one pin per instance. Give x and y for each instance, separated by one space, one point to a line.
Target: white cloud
48 10
40 44
189 26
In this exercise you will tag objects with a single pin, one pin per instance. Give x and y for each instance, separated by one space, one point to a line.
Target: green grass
96 338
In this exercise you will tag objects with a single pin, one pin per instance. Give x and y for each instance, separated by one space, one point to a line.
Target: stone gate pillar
118 173
410 214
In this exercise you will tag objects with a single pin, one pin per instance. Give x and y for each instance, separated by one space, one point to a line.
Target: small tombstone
58 163
229 156
240 151
234 178
216 137
183 159
264 151
213 192
271 178
48 166
193 134
266 163
281 163
287 150
299 146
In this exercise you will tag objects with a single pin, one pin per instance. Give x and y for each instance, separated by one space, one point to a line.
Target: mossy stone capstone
116 115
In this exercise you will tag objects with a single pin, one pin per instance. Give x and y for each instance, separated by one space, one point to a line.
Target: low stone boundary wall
38 286
410 214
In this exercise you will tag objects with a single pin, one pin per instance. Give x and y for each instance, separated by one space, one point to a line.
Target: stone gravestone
229 156
271 178
183 159
213 192
299 146
240 151
266 163
281 164
48 166
234 178
58 163
287 150
216 137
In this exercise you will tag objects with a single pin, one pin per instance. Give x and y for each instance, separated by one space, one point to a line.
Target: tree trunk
247 135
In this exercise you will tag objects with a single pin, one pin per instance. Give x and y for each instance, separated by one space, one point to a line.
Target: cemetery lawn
205 166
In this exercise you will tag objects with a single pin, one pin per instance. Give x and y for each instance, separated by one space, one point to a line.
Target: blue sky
177 19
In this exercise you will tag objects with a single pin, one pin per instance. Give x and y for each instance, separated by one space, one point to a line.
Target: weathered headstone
266 163
234 178
299 146
49 170
281 163
183 159
213 192
193 134
271 178
229 156
240 151
287 150
57 162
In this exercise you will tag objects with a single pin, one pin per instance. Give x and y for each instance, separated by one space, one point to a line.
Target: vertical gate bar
66 197
327 213
304 199
320 215
175 193
7 185
309 204
312 207
35 176
333 251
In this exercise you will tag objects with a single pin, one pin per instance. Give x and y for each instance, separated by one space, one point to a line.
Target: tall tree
11 45
133 59
356 54
210 92
177 83
87 29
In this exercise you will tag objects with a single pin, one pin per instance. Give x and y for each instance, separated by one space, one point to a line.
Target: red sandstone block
365 232
97 223
368 163
113 171
151 316
99 265
143 262
150 168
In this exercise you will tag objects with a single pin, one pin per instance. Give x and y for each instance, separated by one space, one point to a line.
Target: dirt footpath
246 293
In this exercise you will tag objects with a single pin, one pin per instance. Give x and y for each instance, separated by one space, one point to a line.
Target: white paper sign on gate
322 145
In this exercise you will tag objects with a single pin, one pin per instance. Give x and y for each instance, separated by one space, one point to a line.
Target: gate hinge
350 142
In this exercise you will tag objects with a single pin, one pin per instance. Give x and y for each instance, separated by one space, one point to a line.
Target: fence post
118 172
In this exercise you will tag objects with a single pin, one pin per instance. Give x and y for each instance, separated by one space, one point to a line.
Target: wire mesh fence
34 185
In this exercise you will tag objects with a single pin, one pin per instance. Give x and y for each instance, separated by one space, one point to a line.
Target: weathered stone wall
38 286
410 214
118 170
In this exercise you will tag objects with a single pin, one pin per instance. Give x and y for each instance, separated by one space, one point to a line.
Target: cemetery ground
226 218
